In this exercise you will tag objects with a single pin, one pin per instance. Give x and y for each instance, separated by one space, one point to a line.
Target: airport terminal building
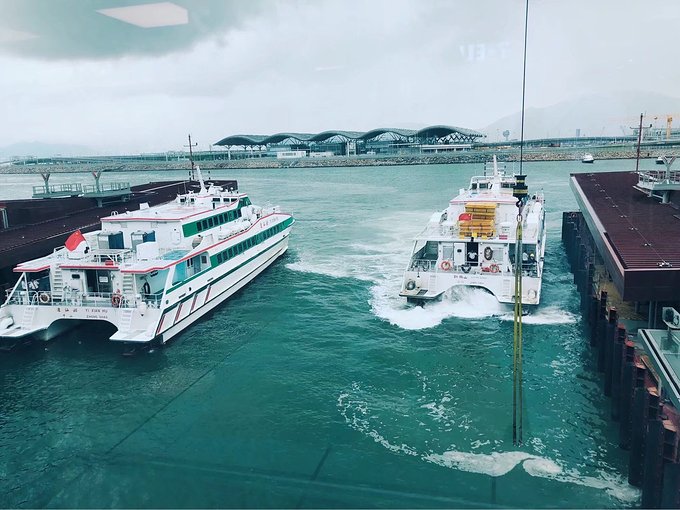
376 142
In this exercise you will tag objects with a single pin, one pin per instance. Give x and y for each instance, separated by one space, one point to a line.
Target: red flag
466 216
74 240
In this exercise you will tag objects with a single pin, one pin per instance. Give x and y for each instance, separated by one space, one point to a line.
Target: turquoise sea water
317 386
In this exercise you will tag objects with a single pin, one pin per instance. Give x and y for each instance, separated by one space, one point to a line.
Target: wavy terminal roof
428 132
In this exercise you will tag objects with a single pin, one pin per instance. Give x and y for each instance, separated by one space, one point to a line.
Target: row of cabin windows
217 220
220 219
239 248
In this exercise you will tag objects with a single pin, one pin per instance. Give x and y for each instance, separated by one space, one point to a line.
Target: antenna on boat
520 193
191 156
637 159
200 179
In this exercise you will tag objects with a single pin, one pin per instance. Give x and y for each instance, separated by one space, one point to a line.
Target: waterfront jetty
623 247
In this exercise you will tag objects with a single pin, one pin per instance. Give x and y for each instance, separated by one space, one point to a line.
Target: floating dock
624 250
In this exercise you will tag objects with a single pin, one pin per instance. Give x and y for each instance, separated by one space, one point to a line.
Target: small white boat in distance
660 161
151 272
587 158
472 243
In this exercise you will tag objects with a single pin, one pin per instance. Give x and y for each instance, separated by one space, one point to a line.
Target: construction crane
669 121
649 128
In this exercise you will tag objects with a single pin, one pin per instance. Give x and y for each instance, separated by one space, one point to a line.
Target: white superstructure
150 272
473 243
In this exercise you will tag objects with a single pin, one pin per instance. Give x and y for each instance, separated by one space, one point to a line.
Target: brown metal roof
644 232
639 237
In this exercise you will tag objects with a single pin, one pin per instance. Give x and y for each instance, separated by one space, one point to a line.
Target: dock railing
58 189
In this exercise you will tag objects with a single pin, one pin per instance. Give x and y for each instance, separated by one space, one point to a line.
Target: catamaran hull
138 326
22 337
429 288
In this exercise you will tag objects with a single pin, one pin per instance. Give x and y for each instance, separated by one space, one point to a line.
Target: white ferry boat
150 272
588 158
473 243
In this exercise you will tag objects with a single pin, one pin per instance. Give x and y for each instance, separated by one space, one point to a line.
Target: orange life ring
494 268
116 299
445 265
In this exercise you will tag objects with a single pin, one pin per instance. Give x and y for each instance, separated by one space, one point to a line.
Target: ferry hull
135 325
431 286
230 287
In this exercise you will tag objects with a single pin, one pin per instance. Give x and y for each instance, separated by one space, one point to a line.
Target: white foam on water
547 315
501 463
496 464
326 268
461 302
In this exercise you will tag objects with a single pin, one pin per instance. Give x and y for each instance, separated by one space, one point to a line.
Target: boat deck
41 233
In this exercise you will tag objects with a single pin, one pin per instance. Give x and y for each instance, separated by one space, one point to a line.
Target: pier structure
623 247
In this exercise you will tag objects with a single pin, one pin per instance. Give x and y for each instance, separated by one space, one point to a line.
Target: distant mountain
42 150
593 115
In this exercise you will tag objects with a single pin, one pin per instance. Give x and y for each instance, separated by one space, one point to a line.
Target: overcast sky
73 74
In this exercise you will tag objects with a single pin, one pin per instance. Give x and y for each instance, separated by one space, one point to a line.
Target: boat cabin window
190 267
39 281
182 200
473 185
428 252
484 185
98 280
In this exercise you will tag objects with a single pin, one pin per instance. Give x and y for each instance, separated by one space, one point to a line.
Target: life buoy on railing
116 300
466 268
488 253
494 268
445 265
44 298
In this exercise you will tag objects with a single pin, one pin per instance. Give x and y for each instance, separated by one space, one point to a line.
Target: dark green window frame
237 249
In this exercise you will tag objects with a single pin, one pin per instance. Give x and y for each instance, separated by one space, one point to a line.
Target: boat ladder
128 285
433 282
29 315
57 283
507 287
125 319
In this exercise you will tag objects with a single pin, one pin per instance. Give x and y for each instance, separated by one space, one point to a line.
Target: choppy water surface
317 385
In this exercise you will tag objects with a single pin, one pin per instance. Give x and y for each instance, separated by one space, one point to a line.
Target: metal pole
637 159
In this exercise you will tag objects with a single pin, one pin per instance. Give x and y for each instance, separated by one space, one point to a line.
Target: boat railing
106 257
75 189
90 299
112 256
106 188
659 176
446 266
441 230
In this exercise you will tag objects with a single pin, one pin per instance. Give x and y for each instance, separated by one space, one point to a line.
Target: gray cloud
330 64
74 29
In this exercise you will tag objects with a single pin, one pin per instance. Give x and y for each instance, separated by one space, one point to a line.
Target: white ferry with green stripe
151 272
